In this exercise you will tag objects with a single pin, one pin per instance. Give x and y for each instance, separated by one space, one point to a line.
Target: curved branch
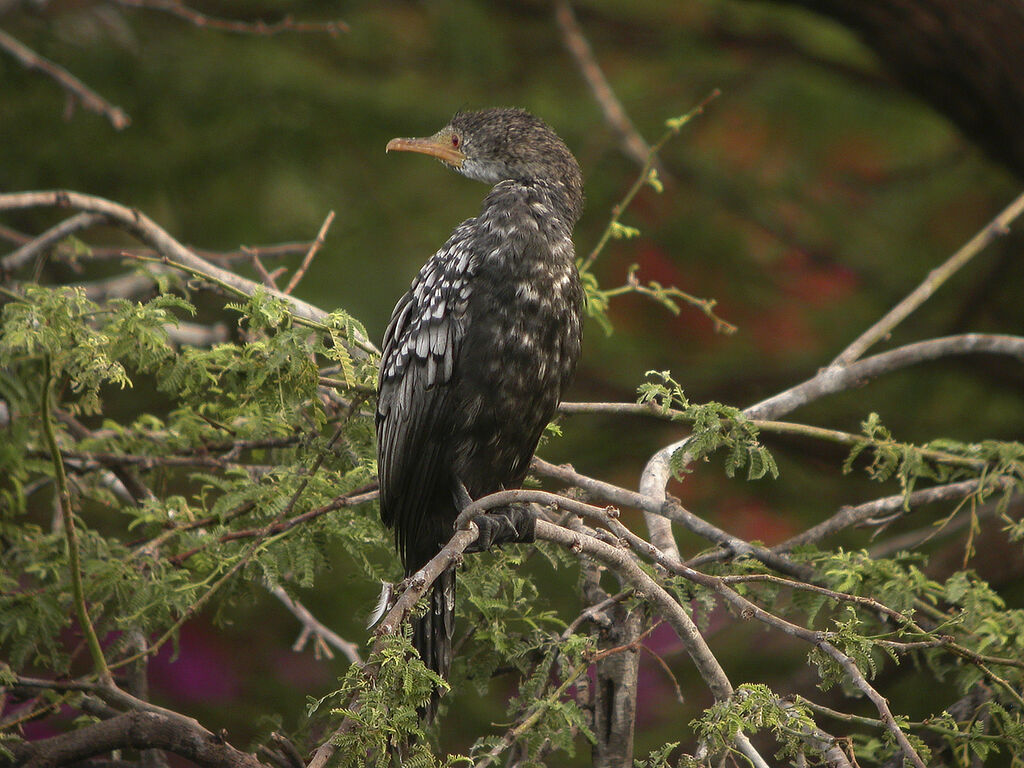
50 238
134 730
707 665
998 227
849 516
74 87
174 253
835 379
672 510
838 379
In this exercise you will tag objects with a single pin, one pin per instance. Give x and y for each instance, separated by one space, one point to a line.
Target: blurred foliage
809 197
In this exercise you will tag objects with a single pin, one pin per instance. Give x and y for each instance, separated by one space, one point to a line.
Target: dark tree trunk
615 690
964 57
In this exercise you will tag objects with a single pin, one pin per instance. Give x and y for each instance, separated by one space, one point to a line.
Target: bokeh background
812 195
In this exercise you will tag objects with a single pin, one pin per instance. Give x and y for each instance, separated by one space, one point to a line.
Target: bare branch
838 379
137 729
998 227
835 379
317 244
75 88
261 28
849 516
614 114
265 276
311 627
674 511
49 238
174 253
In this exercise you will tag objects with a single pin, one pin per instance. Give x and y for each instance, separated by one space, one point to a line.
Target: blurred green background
811 196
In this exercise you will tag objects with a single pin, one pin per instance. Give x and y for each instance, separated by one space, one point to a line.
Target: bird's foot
507 525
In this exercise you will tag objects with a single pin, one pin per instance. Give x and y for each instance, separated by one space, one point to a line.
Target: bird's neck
555 202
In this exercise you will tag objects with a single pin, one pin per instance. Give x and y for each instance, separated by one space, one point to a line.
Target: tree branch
673 511
70 536
49 238
996 228
174 253
311 627
74 87
261 28
317 244
614 114
134 730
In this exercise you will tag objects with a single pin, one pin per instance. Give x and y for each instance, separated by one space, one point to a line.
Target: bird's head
495 145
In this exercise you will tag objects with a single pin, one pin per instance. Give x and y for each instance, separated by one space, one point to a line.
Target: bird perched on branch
479 350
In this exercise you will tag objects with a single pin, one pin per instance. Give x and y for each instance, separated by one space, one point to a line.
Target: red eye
455 140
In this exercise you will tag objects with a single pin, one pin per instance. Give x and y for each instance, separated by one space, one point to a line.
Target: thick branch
134 730
961 56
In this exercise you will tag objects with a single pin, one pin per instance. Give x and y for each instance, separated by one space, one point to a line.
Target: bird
479 350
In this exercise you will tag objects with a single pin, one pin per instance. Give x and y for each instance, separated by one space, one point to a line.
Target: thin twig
261 28
74 87
265 277
996 228
49 238
614 113
263 538
317 244
674 127
173 253
70 536
312 627
342 502
875 723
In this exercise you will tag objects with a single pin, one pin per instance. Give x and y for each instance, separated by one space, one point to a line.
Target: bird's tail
432 633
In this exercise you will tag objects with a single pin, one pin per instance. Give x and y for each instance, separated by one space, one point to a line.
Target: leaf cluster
245 445
715 426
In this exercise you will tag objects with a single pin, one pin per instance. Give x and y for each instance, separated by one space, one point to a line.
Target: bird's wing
420 353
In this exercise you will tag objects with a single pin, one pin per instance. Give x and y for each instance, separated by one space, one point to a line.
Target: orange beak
439 145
